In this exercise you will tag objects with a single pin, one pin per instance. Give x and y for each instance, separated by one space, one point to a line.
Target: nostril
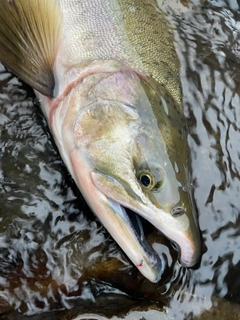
177 211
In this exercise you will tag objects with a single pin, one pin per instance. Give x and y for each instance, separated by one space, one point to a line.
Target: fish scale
81 25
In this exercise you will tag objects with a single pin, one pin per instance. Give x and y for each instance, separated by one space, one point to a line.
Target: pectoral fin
29 35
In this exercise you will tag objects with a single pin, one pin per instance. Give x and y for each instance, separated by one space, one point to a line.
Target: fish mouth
178 230
147 260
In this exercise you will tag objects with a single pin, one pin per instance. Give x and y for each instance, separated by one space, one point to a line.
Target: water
55 255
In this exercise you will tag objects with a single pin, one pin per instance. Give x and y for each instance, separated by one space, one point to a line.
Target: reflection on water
54 254
209 42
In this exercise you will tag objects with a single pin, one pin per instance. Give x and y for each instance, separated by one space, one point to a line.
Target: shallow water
54 254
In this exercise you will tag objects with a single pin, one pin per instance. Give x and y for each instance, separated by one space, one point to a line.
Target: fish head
168 202
121 164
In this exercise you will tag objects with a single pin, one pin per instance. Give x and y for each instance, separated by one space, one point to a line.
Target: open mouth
124 225
133 224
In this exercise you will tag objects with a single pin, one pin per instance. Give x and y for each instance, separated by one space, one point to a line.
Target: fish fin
29 36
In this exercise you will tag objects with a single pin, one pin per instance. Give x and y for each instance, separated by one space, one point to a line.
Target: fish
106 74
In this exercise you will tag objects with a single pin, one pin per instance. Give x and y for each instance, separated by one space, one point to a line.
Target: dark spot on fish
169 101
180 131
167 97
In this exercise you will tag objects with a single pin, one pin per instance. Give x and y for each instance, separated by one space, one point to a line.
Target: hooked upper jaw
179 229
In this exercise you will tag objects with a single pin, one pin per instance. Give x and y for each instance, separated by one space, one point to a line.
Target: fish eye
146 180
151 179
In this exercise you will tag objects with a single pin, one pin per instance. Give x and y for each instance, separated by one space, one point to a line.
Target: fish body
106 74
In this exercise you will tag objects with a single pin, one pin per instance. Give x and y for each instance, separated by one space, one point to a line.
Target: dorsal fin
29 36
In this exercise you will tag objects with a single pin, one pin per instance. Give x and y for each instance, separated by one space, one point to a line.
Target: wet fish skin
112 97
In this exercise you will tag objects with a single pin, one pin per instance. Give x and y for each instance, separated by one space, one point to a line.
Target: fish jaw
178 230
